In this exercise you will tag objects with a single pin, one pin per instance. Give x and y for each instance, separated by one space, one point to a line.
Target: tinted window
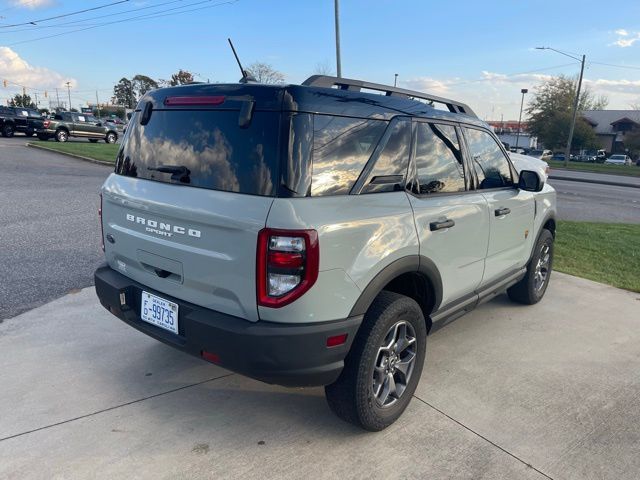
438 159
392 160
341 148
217 152
489 162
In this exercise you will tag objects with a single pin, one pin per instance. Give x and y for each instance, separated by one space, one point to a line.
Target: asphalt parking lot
508 392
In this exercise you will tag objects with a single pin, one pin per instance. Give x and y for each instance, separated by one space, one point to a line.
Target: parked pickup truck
19 119
71 124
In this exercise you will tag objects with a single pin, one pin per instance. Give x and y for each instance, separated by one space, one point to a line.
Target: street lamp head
541 48
524 90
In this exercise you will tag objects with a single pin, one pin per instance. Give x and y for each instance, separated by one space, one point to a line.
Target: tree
142 84
22 101
181 78
550 113
323 68
632 142
124 94
265 73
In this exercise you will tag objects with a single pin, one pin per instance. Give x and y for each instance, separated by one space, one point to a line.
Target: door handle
448 223
502 211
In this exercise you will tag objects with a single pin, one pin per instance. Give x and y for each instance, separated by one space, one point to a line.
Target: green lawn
98 151
630 171
603 252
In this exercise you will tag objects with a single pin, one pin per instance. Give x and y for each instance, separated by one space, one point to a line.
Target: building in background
611 126
509 134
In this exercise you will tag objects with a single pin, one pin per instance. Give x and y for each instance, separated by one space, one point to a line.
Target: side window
438 159
341 148
490 164
392 161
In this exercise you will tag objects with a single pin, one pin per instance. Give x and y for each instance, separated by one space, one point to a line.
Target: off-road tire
351 397
8 131
526 291
62 136
111 138
93 140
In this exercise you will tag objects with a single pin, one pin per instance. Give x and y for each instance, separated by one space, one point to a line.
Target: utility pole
337 18
523 91
567 152
97 104
576 101
395 80
36 94
69 92
58 97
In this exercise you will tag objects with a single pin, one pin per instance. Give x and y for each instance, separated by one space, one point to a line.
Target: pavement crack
132 402
524 462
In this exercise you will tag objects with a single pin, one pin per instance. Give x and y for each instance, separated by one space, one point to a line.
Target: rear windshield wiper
179 173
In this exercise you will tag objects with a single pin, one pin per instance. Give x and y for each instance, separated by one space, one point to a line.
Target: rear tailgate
193 234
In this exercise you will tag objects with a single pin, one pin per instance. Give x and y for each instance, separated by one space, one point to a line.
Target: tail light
46 123
101 226
287 265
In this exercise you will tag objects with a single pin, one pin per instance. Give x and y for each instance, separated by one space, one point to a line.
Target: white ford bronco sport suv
315 234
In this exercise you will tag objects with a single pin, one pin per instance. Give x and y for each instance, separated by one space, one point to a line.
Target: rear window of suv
218 154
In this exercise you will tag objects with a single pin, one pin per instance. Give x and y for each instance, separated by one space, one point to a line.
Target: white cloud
32 4
427 84
625 38
16 70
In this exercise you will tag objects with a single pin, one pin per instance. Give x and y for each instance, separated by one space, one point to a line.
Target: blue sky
480 52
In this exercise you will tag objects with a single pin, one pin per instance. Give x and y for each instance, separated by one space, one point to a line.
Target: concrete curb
599 182
79 157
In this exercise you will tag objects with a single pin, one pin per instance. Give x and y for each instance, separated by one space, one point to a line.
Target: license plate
159 312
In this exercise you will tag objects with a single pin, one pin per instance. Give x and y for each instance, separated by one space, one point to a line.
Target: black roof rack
326 81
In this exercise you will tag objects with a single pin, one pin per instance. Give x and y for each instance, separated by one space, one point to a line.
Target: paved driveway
50 235
508 392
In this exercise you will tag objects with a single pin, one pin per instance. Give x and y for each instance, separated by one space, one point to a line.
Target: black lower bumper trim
283 354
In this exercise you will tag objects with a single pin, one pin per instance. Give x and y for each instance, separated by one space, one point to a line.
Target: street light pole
576 101
337 19
395 80
523 91
567 152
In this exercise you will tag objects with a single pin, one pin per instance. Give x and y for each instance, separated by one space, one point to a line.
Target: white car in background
527 162
618 160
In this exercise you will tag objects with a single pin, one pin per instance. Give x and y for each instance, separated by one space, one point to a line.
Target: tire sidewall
111 135
546 238
403 309
8 131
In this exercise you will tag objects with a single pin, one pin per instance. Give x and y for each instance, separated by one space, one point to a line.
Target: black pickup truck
19 119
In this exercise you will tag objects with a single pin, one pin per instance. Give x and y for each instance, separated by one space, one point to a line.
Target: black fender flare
547 217
408 264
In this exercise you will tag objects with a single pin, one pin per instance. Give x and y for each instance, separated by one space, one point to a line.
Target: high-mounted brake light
193 101
287 265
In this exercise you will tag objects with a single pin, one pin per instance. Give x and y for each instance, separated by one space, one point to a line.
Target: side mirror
530 181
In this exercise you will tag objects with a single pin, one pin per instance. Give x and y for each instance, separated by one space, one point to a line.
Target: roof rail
326 81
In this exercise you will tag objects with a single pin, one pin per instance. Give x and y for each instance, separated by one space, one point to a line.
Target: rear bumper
283 354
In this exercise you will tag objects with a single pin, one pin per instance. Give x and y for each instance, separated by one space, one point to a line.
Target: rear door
192 232
510 209
451 220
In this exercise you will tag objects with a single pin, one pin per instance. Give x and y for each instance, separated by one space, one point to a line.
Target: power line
33 22
84 20
631 67
143 17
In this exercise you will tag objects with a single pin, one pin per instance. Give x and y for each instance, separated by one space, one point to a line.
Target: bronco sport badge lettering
162 228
